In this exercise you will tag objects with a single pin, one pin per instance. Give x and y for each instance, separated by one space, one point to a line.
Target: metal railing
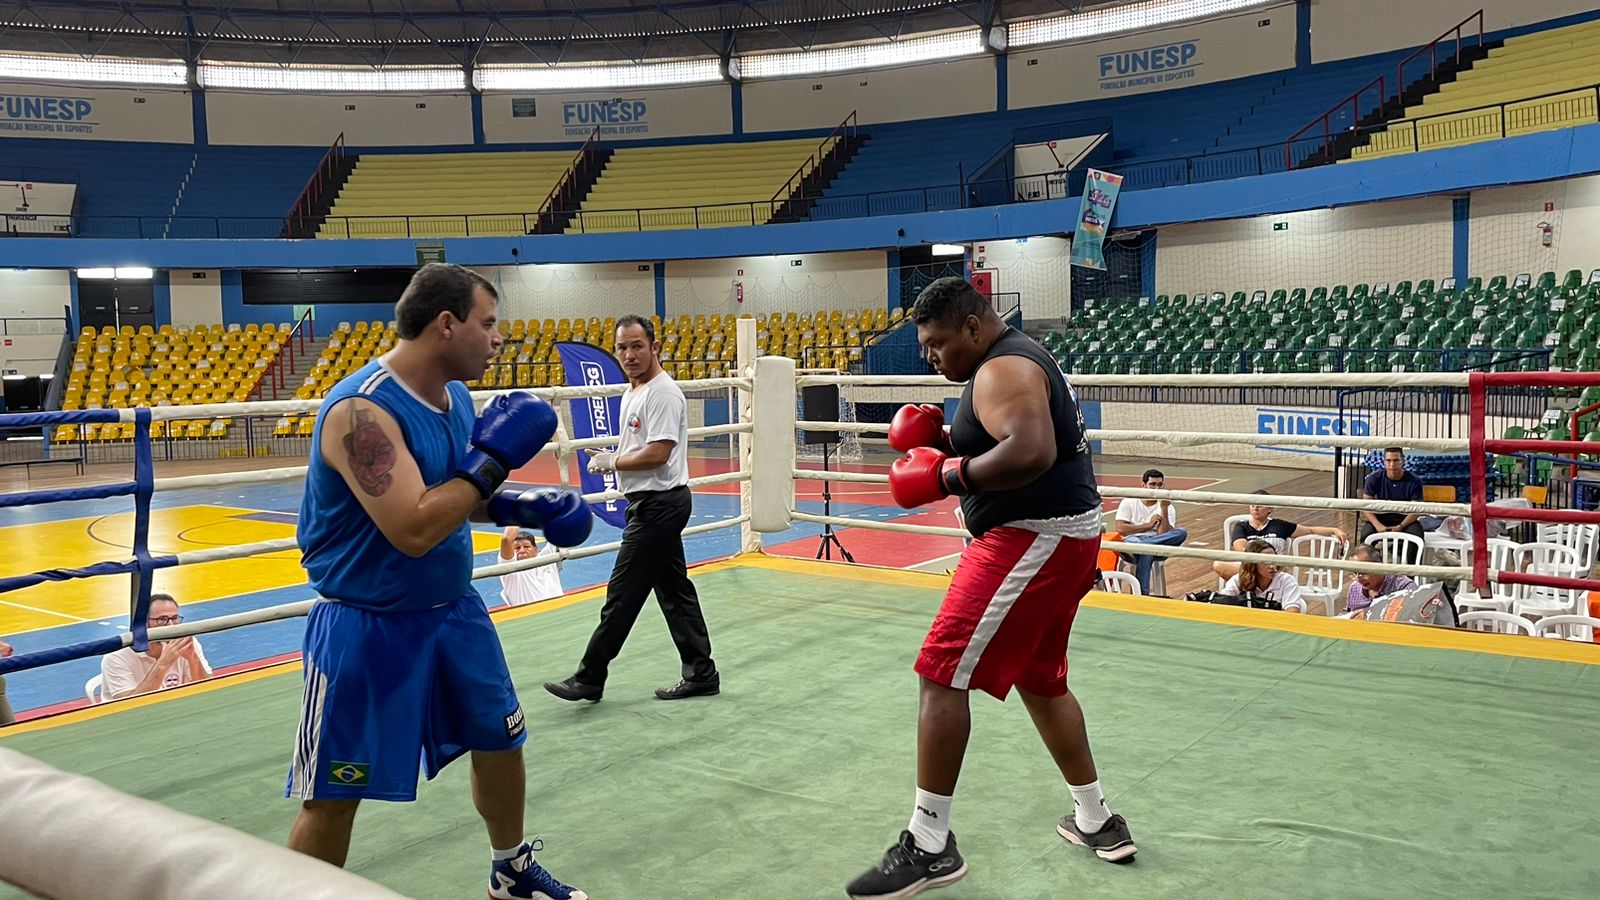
564 193
1333 121
300 335
1507 118
842 133
301 215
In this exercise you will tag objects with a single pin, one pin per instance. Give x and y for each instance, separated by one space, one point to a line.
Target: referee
652 466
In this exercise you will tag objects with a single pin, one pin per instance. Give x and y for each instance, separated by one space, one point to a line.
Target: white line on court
42 612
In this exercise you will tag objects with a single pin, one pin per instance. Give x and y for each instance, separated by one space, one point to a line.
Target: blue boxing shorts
387 693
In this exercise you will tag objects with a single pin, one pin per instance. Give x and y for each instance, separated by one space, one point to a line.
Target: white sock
1089 806
513 853
930 821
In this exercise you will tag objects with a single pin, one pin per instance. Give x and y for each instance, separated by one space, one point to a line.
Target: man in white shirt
167 664
528 585
652 465
1149 522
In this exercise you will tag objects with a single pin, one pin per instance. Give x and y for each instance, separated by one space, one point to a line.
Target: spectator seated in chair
1393 483
1369 586
1265 580
1275 532
1149 522
167 664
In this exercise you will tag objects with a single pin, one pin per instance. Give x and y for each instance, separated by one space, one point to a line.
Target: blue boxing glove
511 429
562 515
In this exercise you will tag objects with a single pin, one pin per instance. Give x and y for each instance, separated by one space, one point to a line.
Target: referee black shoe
573 689
907 870
1112 843
689 688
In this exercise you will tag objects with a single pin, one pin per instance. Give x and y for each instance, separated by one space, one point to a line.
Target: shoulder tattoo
370 452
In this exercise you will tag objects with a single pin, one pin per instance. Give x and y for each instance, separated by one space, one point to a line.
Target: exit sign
794 262
1280 226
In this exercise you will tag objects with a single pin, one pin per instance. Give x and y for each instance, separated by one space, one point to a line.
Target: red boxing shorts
1008 614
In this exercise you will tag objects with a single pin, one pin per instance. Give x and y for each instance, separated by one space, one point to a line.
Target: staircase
799 203
294 366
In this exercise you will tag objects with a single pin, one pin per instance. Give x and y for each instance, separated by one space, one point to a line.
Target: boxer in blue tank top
402 663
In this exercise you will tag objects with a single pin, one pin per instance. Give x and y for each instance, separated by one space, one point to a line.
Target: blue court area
64 535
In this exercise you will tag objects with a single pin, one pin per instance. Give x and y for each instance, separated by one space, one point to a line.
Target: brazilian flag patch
354 774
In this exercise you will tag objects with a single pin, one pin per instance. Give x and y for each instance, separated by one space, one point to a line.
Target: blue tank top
346 556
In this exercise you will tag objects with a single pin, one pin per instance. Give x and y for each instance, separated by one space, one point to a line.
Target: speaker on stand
820 403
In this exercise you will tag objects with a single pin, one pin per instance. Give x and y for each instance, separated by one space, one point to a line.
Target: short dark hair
524 536
1152 473
949 300
1389 450
1367 552
162 598
437 288
642 322
1261 492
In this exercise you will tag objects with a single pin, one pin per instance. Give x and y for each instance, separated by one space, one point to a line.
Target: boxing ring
1254 752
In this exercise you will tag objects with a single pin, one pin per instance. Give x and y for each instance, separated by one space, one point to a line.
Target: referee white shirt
655 411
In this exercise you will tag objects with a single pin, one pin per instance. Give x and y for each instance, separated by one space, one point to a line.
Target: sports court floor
1254 754
69 535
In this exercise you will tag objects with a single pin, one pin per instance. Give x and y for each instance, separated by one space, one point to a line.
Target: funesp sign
1149 65
615 116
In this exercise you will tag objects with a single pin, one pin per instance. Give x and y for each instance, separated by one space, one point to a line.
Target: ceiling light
949 250
101 70
97 273
331 79
135 273
551 78
1106 20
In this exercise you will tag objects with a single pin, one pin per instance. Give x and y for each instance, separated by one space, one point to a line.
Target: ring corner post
772 437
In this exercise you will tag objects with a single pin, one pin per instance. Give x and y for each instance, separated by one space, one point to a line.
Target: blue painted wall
1535 157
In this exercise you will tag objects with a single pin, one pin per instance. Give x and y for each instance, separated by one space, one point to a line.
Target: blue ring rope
96 647
144 489
96 492
93 570
59 417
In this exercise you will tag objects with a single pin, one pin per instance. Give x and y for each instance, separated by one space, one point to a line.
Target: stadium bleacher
1546 80
699 186
127 367
1506 323
242 192
430 194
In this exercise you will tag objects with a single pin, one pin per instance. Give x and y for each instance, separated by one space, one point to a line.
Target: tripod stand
829 539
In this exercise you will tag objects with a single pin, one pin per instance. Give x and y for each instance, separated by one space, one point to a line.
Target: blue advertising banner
1100 191
595 417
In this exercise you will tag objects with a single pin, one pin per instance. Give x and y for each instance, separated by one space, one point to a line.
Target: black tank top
1067 488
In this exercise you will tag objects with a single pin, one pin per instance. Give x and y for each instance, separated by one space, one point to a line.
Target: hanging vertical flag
594 417
1100 191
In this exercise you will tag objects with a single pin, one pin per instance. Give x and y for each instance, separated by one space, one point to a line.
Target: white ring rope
1202 438
1292 501
724 478
830 475
265 408
1241 380
611 440
237 551
517 565
880 526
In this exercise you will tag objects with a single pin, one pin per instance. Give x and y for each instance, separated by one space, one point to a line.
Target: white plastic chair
1567 628
92 690
1397 547
1538 601
1504 555
1119 583
1496 622
1583 538
1316 581
1227 538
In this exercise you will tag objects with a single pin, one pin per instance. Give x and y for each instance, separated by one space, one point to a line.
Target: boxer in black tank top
1019 460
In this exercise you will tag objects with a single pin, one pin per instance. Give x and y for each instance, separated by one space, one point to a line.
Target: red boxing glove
919 425
925 475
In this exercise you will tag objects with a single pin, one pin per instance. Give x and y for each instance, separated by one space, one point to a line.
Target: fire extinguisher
1546 234
738 291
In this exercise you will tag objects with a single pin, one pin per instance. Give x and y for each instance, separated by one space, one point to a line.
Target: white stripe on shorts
994 615
303 773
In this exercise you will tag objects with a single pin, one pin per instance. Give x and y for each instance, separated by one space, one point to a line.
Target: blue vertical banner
1100 191
594 417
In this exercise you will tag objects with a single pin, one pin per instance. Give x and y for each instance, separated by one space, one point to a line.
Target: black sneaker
907 871
1111 843
573 689
689 688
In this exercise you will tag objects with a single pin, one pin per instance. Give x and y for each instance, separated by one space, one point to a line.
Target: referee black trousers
651 558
